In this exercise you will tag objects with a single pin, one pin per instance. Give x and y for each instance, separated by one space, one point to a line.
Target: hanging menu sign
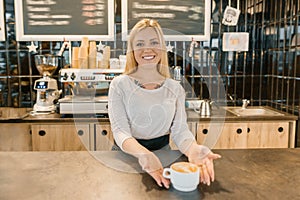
2 24
57 20
180 20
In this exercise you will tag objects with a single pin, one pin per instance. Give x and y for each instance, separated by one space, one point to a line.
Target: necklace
147 85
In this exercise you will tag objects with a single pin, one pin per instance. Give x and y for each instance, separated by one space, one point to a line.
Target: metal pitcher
204 108
177 73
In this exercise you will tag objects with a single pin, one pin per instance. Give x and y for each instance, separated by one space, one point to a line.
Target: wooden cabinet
60 137
70 136
102 138
233 135
15 137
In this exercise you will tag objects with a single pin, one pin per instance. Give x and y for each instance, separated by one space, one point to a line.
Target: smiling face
147 48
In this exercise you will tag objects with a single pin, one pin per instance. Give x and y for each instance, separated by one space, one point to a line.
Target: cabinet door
222 135
60 137
268 134
15 137
103 138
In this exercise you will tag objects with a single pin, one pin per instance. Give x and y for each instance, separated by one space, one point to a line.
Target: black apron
150 144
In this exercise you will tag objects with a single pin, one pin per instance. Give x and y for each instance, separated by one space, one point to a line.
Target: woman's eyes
142 44
154 43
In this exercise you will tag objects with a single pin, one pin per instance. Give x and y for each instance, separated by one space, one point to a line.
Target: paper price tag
236 41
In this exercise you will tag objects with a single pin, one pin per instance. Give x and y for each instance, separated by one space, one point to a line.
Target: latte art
184 167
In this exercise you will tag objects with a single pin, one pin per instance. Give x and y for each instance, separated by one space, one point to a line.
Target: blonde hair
131 64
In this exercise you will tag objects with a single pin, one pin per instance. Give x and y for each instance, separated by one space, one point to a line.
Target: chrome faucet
230 97
245 103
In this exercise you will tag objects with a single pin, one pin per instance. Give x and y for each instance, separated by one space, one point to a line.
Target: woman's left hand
203 157
207 173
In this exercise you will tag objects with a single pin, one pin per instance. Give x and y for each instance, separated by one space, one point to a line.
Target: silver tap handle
245 103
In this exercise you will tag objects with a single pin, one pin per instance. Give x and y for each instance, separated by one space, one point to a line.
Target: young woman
146 106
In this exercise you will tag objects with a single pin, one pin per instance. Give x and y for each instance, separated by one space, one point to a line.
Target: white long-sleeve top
146 114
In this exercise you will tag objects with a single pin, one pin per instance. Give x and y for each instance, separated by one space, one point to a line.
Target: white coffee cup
184 176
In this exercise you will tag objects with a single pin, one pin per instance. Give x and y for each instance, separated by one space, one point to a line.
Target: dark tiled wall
267 74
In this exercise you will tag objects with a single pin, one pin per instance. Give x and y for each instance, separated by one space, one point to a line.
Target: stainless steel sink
253 111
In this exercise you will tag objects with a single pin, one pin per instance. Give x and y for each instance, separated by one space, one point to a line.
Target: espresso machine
89 90
46 87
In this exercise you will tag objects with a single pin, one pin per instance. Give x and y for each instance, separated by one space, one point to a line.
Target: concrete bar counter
240 174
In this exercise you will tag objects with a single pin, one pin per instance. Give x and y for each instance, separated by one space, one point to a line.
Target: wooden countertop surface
240 174
217 115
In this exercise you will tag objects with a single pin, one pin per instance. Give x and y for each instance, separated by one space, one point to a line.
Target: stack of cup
75 61
83 53
92 55
106 57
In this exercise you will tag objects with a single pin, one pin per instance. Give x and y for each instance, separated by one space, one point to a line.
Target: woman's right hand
147 160
152 165
160 180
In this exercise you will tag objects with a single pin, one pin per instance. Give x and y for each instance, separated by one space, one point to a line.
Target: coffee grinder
47 90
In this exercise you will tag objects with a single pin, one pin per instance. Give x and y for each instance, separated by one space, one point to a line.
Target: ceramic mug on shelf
184 176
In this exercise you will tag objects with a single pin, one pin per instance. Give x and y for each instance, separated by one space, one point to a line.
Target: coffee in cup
184 176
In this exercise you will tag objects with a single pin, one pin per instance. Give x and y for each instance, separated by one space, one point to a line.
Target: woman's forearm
132 147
